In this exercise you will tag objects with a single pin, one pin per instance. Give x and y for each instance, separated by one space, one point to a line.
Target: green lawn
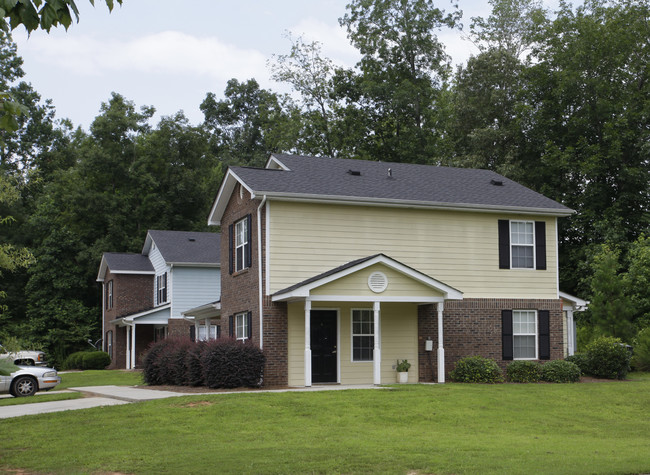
100 378
14 401
451 428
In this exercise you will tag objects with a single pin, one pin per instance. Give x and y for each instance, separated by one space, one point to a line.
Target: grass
99 378
14 401
451 428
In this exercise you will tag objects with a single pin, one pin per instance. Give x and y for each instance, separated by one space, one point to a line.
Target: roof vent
390 173
191 239
496 182
354 172
377 282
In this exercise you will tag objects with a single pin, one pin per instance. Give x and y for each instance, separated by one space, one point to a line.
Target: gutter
259 268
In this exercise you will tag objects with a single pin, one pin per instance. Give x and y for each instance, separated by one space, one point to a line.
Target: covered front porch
352 325
141 329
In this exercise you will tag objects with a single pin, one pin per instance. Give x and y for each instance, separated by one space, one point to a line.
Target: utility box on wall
428 345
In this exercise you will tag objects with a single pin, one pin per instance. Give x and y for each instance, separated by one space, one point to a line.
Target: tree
249 123
401 75
44 14
637 280
609 307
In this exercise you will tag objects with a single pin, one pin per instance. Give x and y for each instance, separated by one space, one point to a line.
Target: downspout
259 267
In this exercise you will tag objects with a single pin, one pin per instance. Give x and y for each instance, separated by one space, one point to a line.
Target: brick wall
177 327
240 292
473 327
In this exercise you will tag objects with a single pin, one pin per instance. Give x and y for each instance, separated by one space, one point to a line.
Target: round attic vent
377 281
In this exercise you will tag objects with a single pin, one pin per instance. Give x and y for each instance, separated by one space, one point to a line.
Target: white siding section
157 261
194 286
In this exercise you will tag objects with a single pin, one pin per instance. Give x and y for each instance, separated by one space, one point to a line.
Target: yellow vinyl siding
399 341
356 284
457 248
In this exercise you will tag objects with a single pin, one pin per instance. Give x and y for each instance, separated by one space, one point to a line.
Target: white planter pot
403 377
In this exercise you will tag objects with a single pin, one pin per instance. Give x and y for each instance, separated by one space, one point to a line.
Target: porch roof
208 310
428 289
157 316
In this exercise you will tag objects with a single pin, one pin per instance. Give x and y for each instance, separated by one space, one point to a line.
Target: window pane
522 257
524 346
363 348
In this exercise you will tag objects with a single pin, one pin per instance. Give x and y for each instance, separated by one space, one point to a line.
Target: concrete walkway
113 395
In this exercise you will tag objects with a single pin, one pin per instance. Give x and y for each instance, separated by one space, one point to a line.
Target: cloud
167 52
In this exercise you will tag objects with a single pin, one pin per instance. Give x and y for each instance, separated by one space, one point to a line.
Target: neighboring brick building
339 268
147 296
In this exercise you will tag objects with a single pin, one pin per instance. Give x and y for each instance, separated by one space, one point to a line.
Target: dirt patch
198 404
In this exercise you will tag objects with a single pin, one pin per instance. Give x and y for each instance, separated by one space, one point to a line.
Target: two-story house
338 268
148 296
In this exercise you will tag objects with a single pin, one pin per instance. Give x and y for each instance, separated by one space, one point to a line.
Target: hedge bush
524 372
580 360
228 363
560 371
608 358
223 363
87 360
641 358
476 369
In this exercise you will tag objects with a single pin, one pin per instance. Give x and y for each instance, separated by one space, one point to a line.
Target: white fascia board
223 195
305 290
148 241
129 318
193 264
394 203
578 304
274 163
419 299
102 270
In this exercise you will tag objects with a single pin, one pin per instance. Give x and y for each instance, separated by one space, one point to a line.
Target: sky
169 55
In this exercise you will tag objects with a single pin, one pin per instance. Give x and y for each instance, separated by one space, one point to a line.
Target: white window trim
159 281
352 334
533 245
243 224
244 317
535 335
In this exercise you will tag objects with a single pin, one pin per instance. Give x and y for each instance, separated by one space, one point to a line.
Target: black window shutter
231 255
218 331
164 298
193 333
504 244
540 245
543 318
231 326
249 248
506 334
249 316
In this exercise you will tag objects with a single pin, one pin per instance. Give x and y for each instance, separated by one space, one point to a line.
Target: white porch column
196 330
376 353
128 347
133 346
570 333
207 329
307 343
441 350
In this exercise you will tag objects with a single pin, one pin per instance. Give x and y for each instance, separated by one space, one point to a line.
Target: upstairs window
522 242
161 288
242 244
109 294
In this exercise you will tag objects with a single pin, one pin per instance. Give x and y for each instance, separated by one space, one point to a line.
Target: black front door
323 346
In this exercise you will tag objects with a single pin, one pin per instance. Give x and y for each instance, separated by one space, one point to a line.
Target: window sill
241 272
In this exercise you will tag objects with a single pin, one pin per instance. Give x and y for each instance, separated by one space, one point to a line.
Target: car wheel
23 386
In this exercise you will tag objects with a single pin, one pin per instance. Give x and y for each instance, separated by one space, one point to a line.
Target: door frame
338 340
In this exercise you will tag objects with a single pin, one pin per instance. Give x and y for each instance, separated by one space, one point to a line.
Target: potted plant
402 369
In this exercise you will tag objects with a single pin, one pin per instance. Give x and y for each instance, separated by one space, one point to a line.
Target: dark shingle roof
122 262
188 247
424 184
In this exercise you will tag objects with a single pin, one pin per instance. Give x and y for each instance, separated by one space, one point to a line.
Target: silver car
29 379
26 357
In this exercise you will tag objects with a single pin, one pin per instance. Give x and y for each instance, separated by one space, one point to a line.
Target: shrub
74 360
152 371
95 360
641 358
580 360
524 372
87 360
229 363
608 358
476 369
194 365
560 371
